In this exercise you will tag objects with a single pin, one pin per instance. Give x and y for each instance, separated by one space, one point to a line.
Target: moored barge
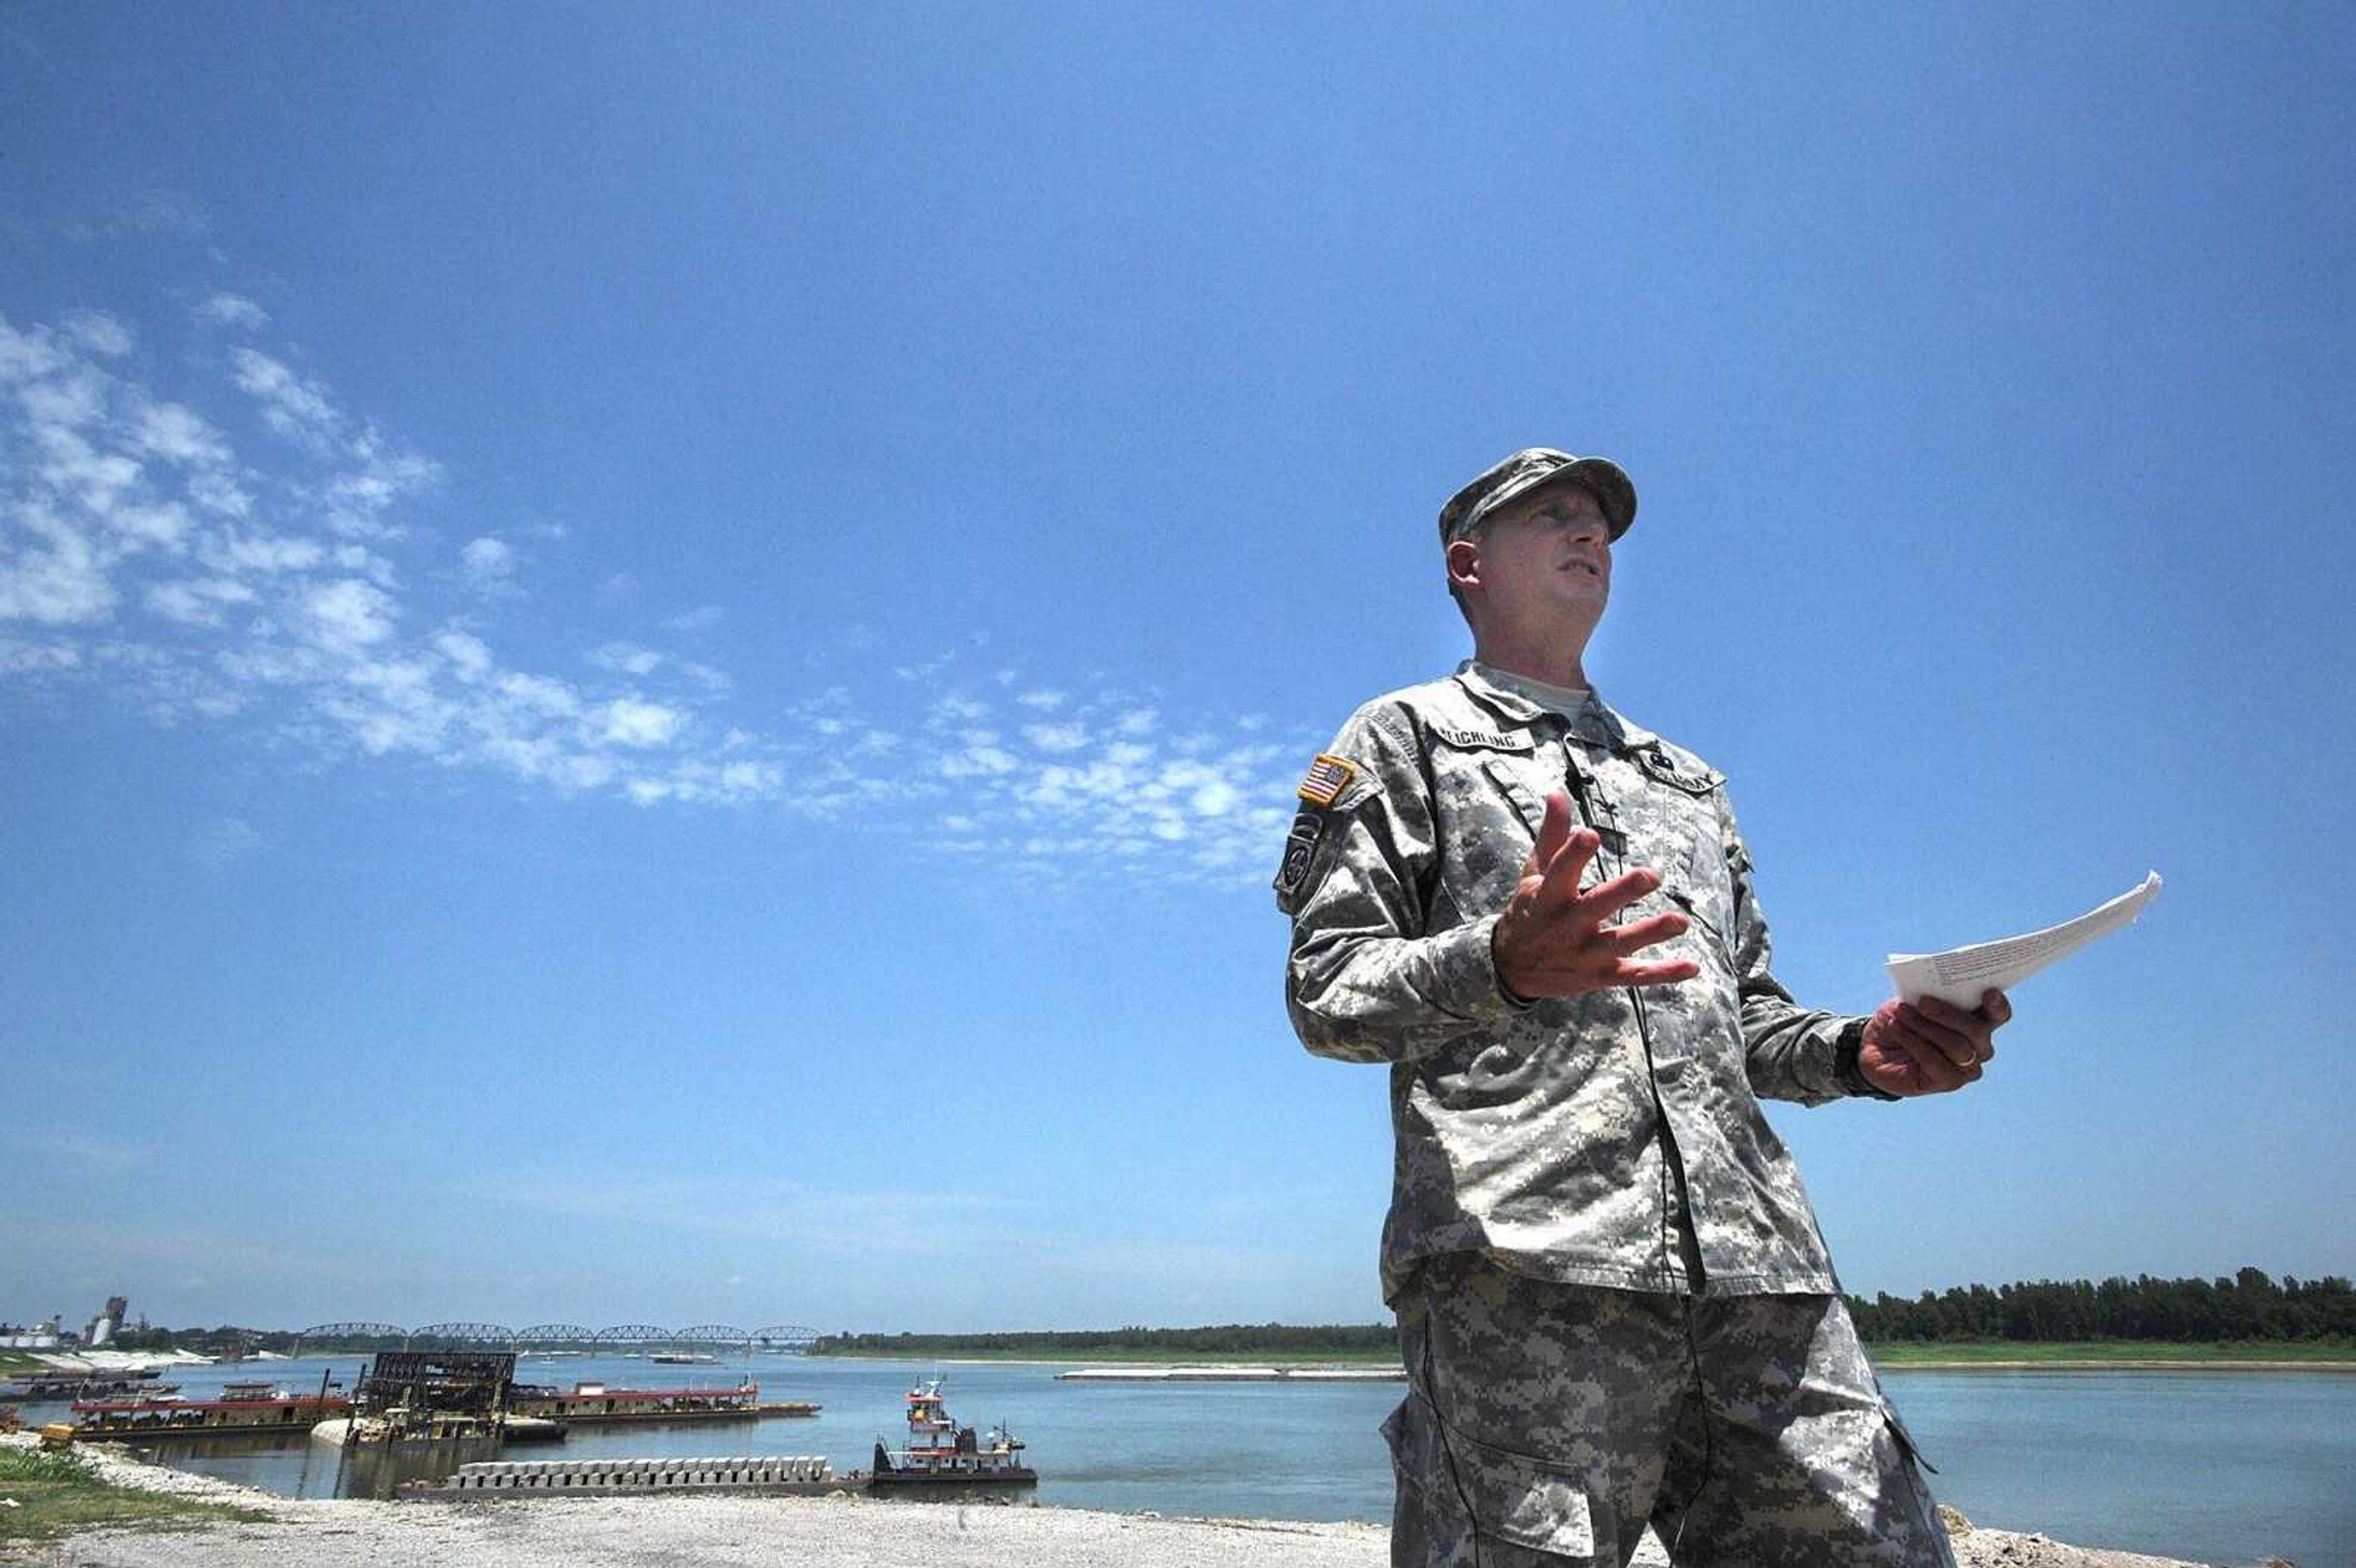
58 1388
596 1402
122 1420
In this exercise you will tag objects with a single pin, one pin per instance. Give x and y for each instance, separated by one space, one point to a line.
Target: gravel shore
773 1532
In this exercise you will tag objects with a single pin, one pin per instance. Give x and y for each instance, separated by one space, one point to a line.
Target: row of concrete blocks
640 1475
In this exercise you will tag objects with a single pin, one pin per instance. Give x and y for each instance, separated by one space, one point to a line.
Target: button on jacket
1613 1138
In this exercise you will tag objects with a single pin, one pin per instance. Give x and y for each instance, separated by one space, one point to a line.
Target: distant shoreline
1889 1355
2080 1355
1284 1369
2182 1364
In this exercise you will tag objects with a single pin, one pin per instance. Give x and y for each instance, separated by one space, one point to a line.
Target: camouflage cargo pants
1547 1423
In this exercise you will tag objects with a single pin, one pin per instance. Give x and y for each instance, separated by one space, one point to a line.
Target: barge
127 1420
58 1388
942 1460
596 1402
403 1426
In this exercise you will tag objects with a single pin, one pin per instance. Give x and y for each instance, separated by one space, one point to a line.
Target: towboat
941 1454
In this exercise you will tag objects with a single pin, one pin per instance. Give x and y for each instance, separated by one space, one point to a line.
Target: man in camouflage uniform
1612 1298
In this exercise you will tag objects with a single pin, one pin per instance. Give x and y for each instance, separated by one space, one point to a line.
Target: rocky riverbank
737 1532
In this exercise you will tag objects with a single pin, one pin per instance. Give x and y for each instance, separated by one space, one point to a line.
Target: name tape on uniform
1486 739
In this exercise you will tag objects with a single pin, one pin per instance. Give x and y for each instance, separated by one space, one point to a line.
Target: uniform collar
1595 721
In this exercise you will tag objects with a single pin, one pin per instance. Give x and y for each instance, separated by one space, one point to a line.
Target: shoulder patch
1485 740
1328 777
1300 854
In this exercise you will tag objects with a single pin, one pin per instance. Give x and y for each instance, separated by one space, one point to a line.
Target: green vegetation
2249 1318
1267 1342
58 1494
225 1338
1886 1353
2247 1307
952 1349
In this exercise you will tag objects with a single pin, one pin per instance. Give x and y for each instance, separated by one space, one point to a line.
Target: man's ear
1464 564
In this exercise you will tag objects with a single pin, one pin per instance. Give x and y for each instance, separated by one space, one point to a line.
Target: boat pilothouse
941 1452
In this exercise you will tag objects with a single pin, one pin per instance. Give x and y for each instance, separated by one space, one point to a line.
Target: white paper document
1961 973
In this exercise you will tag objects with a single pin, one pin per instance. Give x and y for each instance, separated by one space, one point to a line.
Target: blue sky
651 665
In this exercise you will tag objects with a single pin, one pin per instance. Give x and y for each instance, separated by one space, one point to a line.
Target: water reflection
300 1465
380 1471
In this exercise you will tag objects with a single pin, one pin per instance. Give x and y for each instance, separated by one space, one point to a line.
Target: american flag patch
1328 777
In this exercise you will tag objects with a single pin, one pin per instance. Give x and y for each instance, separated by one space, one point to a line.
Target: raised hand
1551 940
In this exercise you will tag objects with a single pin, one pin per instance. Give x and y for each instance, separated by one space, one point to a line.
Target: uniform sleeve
1788 1049
1367 980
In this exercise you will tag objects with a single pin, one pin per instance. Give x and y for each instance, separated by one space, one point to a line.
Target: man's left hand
1930 1046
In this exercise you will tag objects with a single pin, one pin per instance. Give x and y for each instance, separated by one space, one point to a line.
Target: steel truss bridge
642 1336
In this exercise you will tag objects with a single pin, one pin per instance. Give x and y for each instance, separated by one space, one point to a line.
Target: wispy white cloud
291 404
21 657
147 549
626 658
54 574
469 656
378 474
1057 739
158 211
636 722
347 616
489 564
687 623
706 676
94 1152
155 212
232 311
222 843
98 332
177 435
197 601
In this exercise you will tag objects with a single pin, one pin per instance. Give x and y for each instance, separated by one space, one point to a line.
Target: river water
2221 1467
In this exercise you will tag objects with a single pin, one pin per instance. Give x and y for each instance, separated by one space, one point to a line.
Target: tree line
1228 1339
2248 1307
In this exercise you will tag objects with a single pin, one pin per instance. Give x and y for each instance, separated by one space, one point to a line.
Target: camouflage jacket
1613 1138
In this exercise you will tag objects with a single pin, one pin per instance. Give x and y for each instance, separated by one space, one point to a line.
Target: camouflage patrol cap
1524 472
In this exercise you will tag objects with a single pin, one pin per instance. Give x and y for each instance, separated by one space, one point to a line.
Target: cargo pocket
1514 1498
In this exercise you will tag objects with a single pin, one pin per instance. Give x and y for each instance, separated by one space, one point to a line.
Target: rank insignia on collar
1328 777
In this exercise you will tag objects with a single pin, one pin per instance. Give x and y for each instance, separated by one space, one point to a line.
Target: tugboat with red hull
942 1456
